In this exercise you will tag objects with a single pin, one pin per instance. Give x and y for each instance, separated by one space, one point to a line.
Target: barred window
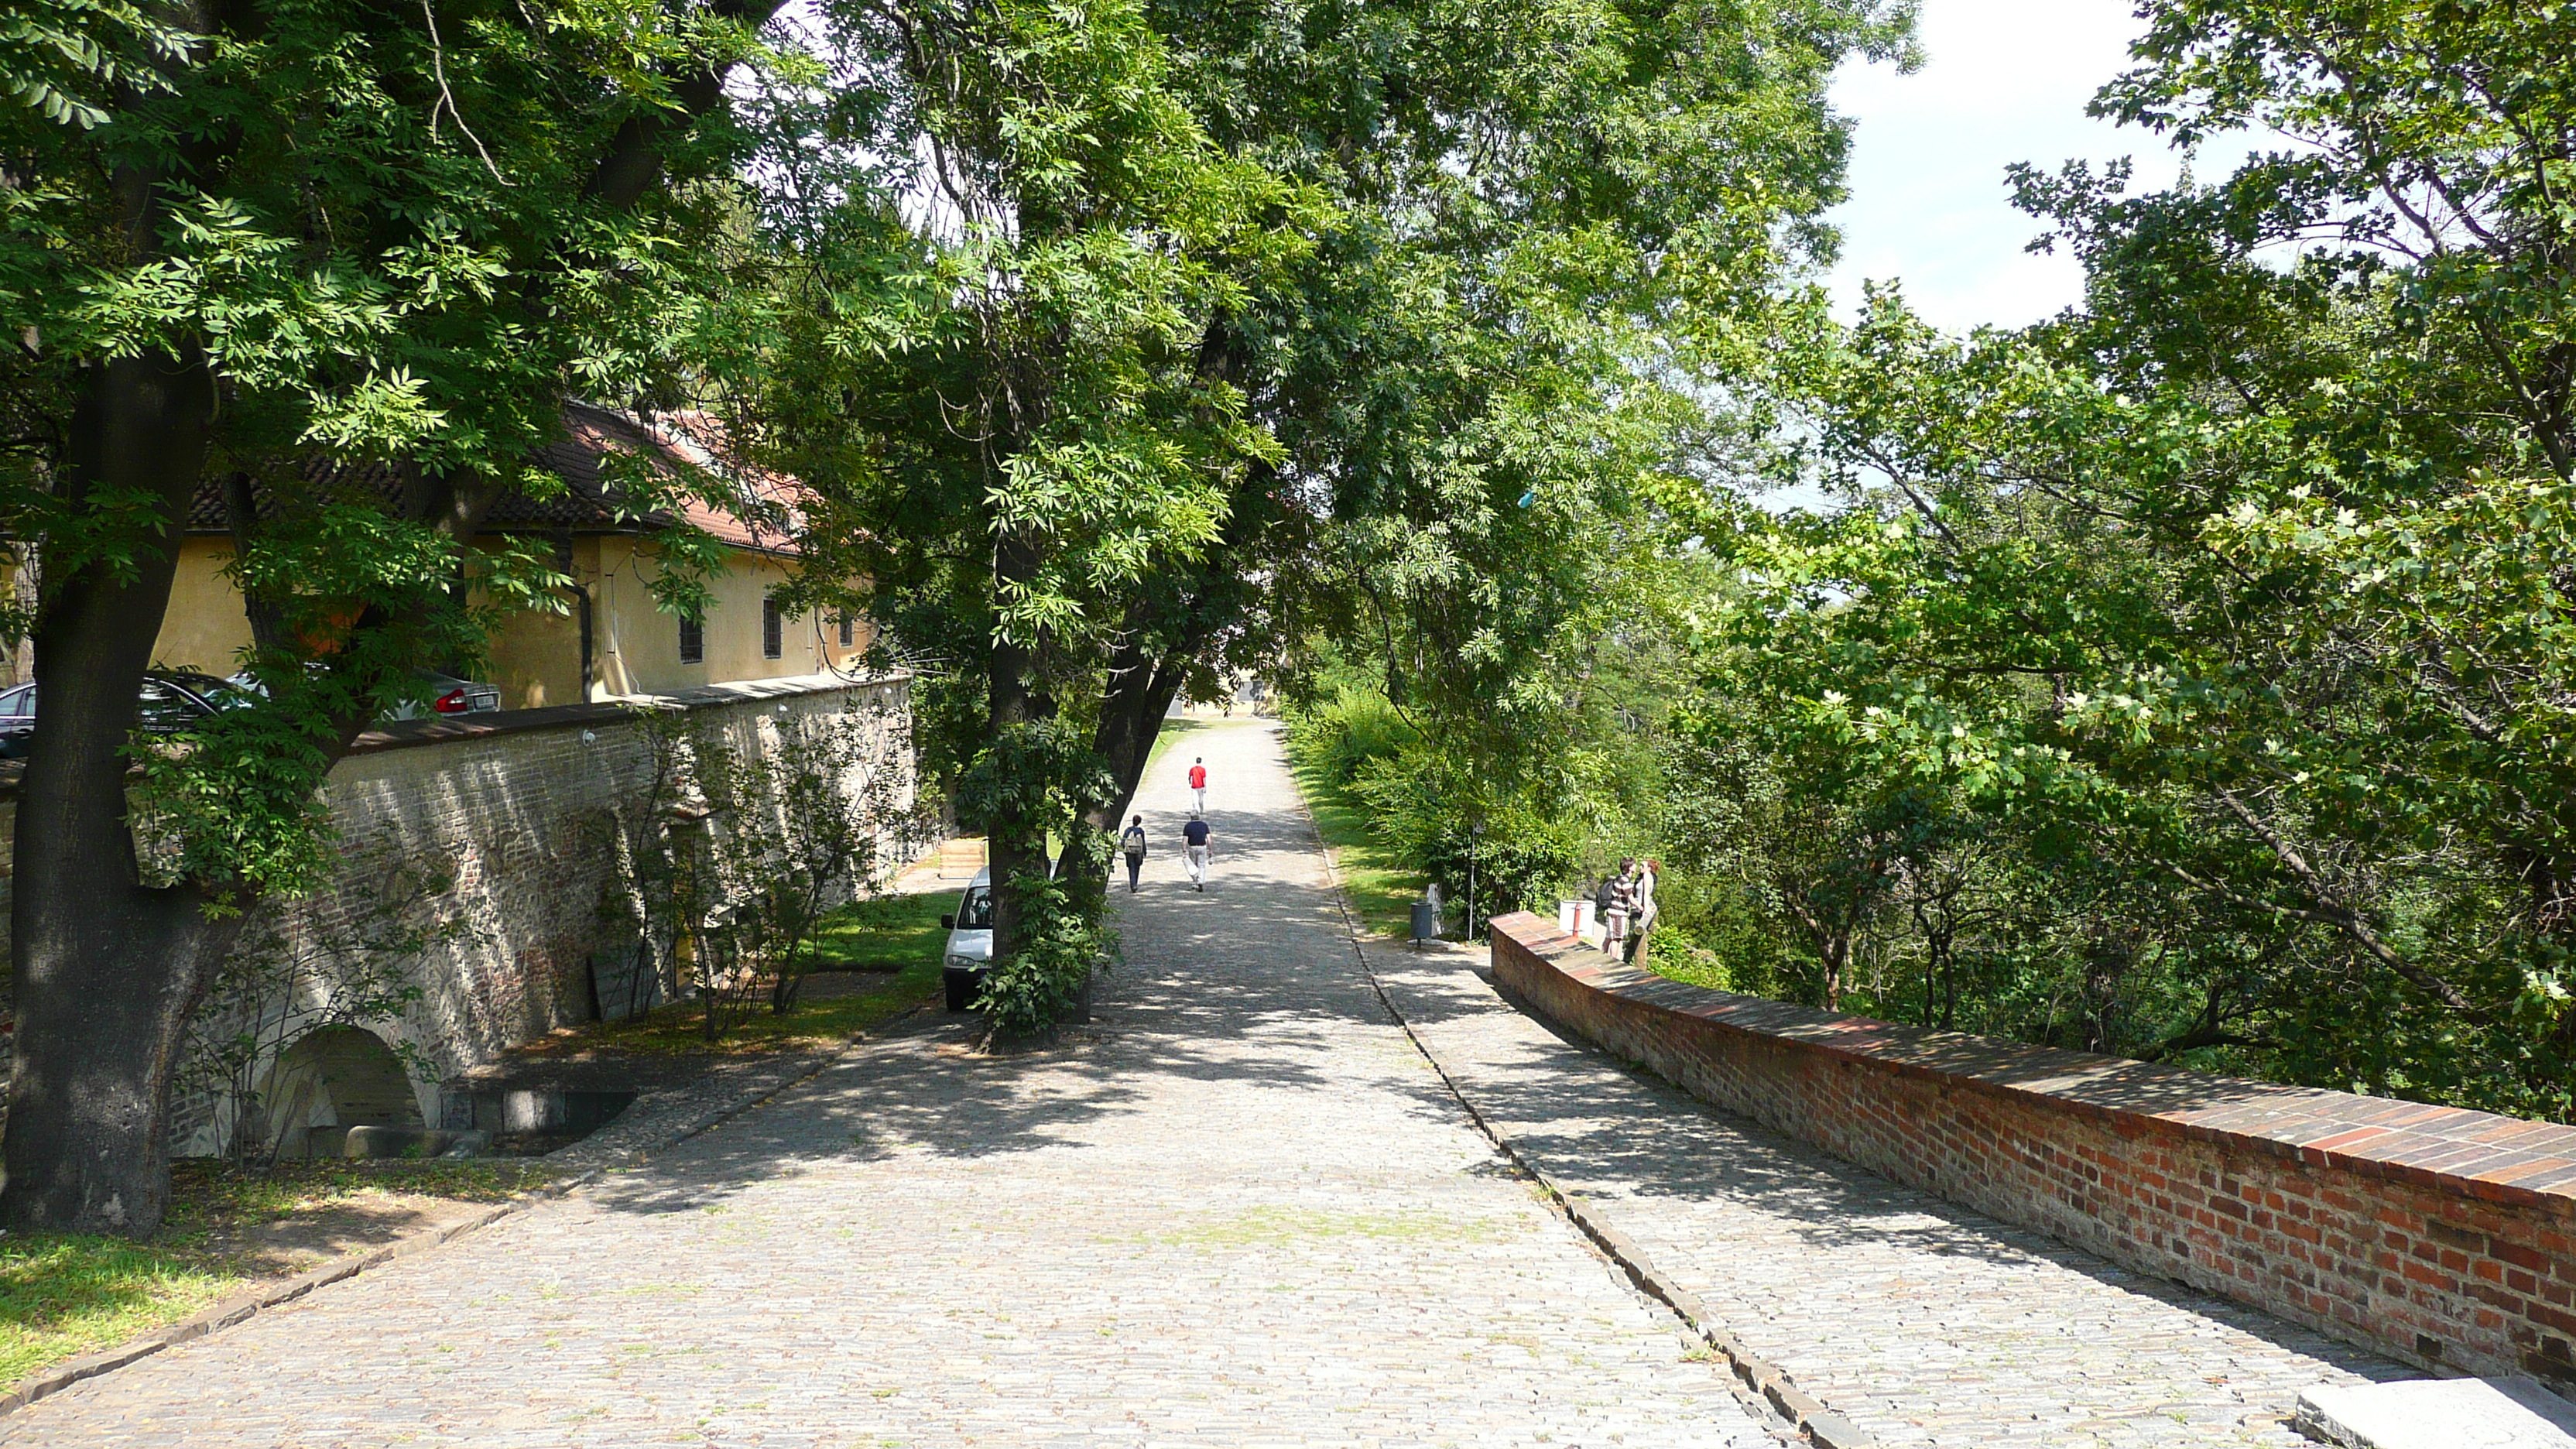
849 631
693 641
773 630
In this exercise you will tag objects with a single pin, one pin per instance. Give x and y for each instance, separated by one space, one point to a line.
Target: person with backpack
1195 836
1133 843
1198 784
1617 900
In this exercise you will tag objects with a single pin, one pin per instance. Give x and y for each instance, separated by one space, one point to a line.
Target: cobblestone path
1923 1323
1242 1212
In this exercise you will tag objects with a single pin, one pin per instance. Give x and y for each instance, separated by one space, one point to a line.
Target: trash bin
1426 921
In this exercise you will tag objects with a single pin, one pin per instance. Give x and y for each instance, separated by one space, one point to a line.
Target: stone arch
329 1081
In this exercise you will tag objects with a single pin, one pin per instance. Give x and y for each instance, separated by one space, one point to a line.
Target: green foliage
1351 734
1379 887
381 235
58 56
1419 806
1061 947
741 850
2185 677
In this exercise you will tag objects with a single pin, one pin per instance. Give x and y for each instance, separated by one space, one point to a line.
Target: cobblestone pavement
1924 1323
1240 1211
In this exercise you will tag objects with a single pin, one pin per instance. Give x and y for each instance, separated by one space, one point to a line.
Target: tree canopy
2184 676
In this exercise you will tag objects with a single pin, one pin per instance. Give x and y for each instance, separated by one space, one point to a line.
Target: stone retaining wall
515 809
2443 1237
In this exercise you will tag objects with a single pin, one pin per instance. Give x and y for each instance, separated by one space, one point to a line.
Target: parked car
970 943
170 701
447 695
970 940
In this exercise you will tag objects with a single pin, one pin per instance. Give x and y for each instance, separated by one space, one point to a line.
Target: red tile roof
687 448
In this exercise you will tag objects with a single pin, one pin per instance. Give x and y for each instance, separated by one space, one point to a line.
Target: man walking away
1198 783
1133 842
1196 835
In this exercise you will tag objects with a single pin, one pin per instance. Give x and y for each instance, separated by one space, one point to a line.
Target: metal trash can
1426 921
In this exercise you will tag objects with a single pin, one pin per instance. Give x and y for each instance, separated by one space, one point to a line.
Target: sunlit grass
1172 732
66 1294
1381 890
899 936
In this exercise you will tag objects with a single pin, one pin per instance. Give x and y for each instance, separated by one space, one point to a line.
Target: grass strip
66 1294
1381 889
898 937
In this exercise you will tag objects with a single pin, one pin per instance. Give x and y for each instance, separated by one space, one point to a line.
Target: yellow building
611 636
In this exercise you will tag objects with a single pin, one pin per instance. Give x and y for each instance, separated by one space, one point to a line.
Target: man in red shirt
1198 783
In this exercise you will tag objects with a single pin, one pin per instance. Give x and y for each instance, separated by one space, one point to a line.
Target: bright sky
2003 81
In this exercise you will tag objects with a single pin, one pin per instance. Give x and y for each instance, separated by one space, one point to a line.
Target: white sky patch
2002 81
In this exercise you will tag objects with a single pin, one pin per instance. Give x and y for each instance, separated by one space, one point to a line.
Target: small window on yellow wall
773 630
849 631
693 641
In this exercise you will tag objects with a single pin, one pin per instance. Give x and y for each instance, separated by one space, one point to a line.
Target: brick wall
2440 1236
514 809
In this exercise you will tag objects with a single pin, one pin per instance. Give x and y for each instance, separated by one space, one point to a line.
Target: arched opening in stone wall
330 1081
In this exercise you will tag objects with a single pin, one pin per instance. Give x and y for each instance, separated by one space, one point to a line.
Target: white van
970 943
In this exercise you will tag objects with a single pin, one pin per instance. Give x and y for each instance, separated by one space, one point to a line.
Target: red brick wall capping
2438 1235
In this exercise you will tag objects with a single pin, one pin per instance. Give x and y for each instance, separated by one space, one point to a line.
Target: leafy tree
2233 600
235 239
993 364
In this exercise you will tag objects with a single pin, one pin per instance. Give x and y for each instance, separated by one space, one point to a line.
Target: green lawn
1172 732
64 1294
899 935
1381 890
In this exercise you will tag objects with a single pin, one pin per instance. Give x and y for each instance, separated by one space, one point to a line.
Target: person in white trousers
1196 835
1198 785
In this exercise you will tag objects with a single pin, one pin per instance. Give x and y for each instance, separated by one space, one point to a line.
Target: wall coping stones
615 709
445 729
2499 1159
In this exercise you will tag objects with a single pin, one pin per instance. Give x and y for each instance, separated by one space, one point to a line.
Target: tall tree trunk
1015 846
107 967
1141 690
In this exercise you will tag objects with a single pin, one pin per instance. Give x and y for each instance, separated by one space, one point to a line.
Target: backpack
1134 840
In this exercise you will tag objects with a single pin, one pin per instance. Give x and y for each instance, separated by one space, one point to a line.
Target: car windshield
219 693
165 706
975 913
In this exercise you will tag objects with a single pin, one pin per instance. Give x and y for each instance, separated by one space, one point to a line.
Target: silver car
970 943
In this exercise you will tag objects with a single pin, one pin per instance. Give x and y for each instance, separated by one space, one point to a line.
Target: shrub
1351 732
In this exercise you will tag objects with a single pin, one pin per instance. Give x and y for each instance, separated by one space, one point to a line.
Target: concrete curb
44 1383
1763 1387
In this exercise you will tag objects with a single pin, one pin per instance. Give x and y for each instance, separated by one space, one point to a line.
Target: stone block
369 1140
2499 1413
